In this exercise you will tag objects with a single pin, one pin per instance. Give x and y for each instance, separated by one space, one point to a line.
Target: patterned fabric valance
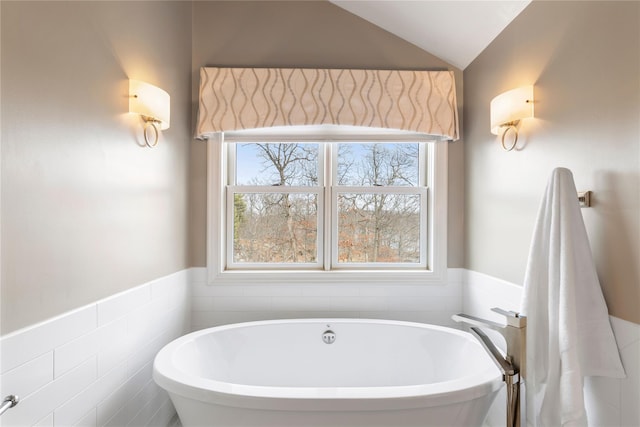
249 98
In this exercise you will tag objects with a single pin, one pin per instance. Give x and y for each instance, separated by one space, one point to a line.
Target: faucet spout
513 330
512 364
502 362
476 321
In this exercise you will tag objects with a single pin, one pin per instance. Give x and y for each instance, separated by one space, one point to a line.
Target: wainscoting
610 402
92 366
223 304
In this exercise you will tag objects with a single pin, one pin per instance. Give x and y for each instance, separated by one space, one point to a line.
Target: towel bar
9 402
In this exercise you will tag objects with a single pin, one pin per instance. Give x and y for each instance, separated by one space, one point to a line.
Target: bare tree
281 226
383 220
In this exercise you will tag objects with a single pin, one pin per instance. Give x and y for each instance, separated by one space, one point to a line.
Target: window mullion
327 220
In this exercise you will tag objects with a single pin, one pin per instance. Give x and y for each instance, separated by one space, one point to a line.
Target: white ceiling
456 31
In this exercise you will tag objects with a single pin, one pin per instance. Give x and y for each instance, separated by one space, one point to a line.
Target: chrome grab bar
9 402
512 365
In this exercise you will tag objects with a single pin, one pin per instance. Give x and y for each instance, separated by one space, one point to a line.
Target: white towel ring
515 139
151 124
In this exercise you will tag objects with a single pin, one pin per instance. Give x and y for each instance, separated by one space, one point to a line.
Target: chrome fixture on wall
153 105
8 403
507 109
584 199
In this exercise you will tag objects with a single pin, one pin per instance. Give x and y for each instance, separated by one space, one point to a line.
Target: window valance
250 98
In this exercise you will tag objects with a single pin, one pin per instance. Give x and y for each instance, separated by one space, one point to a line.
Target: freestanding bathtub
328 372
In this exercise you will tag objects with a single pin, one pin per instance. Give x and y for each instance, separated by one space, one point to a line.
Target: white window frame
436 218
318 190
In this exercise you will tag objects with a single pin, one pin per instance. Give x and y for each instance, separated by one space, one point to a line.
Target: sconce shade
510 107
151 102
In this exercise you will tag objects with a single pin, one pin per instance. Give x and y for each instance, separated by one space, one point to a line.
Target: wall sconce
153 105
507 109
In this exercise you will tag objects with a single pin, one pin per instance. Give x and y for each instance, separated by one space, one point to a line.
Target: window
326 207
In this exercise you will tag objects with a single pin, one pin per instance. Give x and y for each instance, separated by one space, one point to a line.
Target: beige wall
302 34
584 59
86 211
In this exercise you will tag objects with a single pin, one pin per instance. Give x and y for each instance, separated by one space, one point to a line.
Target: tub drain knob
328 336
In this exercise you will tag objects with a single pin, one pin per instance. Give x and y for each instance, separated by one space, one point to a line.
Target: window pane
378 228
277 164
378 164
275 228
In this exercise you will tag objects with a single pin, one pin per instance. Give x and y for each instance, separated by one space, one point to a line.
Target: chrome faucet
512 365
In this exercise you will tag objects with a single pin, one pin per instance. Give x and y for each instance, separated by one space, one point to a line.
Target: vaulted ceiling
456 31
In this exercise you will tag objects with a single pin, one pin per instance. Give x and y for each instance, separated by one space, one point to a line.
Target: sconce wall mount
507 109
153 105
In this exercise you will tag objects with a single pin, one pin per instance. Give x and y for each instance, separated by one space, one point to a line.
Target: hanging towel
568 331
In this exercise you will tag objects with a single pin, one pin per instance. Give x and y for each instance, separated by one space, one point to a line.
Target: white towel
568 331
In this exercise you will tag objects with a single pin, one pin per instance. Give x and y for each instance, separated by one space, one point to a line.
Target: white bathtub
282 373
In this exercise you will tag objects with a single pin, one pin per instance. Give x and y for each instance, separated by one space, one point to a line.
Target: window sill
370 277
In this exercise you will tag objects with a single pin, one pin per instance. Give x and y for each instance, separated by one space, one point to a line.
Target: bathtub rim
321 398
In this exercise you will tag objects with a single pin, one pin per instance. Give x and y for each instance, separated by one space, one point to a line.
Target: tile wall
610 402
223 304
92 366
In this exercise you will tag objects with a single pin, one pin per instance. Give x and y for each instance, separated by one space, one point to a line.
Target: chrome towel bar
9 402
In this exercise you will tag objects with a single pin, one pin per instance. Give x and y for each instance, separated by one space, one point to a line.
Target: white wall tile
201 289
26 344
272 290
104 352
164 415
329 291
121 304
114 345
609 401
37 405
358 303
224 304
28 377
630 386
602 401
141 323
146 353
626 332
482 292
88 420
419 303
75 352
142 398
45 422
112 404
202 303
72 411
197 275
241 303
146 413
455 275
132 388
170 290
119 419
301 304
101 355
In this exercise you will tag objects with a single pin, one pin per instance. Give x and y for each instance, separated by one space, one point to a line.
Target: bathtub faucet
512 364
